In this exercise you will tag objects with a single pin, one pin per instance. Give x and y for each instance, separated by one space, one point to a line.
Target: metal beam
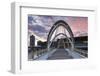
55 26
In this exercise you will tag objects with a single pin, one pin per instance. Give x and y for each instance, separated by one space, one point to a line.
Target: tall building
32 41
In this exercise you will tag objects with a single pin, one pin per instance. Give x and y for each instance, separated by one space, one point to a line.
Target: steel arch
55 26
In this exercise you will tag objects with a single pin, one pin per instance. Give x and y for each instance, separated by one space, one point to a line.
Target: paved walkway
60 54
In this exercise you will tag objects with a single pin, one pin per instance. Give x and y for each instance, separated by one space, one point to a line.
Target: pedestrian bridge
60 54
60 44
61 39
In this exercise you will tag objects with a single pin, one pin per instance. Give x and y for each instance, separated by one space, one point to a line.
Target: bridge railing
37 53
82 52
40 53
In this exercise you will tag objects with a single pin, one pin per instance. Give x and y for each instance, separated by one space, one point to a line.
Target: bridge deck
60 54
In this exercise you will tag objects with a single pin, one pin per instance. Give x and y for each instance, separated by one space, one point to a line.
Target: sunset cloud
41 24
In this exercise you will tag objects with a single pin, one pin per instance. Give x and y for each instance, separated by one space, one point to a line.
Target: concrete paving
60 54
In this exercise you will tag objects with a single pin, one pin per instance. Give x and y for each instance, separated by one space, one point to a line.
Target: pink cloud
78 24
